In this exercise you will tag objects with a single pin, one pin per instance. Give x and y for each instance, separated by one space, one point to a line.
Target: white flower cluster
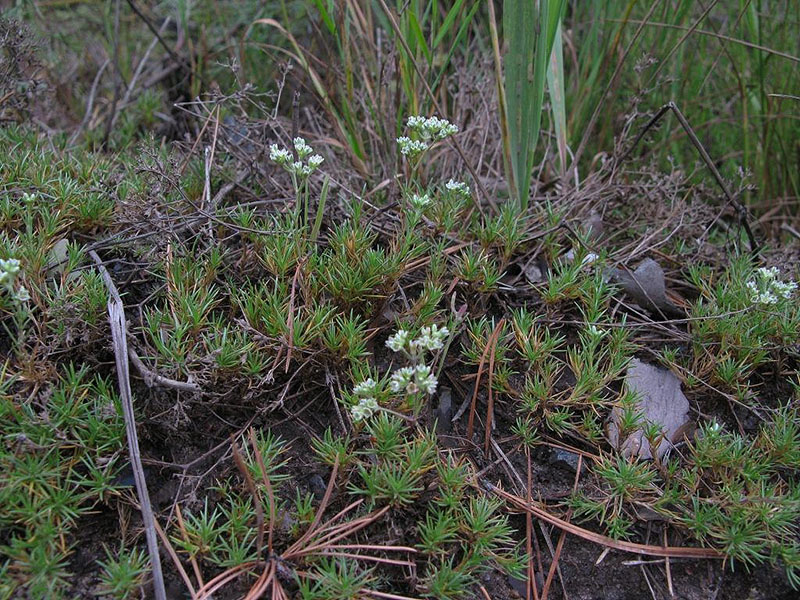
416 379
457 187
367 404
419 202
427 130
9 269
365 408
432 128
305 164
768 289
412 148
413 379
596 333
430 338
398 341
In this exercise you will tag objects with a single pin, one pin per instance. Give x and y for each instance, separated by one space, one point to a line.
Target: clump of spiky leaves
256 527
737 494
742 320
59 461
123 574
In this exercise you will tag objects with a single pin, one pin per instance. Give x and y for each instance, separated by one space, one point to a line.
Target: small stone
660 401
57 257
564 459
317 486
444 412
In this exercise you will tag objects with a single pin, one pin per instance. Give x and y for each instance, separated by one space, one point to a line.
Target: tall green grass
733 67
529 30
725 64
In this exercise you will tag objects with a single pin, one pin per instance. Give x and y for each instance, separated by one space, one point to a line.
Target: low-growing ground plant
367 358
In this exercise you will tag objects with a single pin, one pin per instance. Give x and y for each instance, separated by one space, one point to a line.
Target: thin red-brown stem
490 404
175 560
270 496
251 487
529 534
192 560
562 537
597 538
473 404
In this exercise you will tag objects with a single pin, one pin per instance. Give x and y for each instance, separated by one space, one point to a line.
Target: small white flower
365 388
10 266
301 148
411 148
434 128
595 332
457 187
365 408
28 198
419 202
424 379
398 341
279 155
767 288
767 298
412 380
785 289
401 379
22 295
431 338
315 161
416 122
771 273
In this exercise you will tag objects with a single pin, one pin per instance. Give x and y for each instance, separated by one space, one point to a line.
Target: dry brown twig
321 538
116 315
597 538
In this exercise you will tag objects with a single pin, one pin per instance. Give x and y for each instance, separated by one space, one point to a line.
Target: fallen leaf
660 401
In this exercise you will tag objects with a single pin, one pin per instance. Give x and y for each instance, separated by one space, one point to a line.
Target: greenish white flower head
398 341
411 380
419 201
8 272
767 289
365 408
302 148
305 164
457 188
365 388
430 338
426 130
411 148
431 128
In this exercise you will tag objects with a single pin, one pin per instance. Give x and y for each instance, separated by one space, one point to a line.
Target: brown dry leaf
661 401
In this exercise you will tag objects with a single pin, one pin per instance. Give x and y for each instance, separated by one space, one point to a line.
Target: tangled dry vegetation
356 368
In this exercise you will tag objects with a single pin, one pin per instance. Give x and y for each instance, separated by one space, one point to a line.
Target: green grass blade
325 15
558 105
447 24
530 32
